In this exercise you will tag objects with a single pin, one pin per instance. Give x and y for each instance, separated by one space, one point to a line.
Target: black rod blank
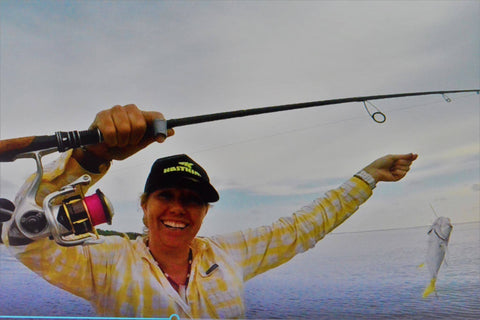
172 123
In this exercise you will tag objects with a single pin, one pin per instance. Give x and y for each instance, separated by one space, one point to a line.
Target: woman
171 270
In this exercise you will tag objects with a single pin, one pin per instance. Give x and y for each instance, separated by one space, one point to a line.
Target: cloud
62 63
459 162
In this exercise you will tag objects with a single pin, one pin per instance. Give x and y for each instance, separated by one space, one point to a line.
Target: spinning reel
66 216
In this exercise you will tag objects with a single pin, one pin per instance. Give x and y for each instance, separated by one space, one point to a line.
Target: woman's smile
174 224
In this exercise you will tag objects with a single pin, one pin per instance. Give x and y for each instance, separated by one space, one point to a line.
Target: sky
62 62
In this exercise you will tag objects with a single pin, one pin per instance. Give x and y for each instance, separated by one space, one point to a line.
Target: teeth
174 224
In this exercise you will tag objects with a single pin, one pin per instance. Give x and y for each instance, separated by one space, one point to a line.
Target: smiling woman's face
173 217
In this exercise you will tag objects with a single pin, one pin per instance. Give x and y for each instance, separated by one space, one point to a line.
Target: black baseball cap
180 171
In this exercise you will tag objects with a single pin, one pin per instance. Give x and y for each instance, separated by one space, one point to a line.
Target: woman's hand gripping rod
12 149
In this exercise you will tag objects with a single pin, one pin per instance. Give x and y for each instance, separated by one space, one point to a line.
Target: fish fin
421 265
430 288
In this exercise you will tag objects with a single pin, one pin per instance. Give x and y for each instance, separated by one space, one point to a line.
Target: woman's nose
176 206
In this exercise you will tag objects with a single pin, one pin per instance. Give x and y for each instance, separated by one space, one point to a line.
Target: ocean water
367 275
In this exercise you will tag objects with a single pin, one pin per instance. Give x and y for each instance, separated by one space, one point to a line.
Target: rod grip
10 149
74 139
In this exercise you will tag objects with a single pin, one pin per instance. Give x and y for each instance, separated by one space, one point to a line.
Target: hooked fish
438 237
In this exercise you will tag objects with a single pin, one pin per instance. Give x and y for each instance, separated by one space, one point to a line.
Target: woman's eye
193 201
165 196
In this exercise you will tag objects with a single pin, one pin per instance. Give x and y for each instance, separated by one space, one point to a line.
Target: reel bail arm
66 215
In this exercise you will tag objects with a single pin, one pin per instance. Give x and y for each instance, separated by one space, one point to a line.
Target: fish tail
430 288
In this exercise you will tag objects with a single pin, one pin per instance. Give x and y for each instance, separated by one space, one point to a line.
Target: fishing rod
67 215
61 141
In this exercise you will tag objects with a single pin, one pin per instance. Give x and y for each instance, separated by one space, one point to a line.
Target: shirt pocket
222 291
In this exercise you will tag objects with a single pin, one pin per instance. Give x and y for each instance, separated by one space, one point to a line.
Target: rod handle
10 149
74 139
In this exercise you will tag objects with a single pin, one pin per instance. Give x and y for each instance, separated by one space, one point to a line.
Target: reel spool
81 215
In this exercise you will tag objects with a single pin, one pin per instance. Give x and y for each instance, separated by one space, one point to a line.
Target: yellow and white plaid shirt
120 277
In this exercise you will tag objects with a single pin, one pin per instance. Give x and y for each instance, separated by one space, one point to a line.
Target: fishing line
379 230
426 226
435 102
434 212
246 141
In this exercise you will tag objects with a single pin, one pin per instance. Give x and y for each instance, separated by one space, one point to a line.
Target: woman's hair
144 198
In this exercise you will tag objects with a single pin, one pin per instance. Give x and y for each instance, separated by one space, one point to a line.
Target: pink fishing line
95 207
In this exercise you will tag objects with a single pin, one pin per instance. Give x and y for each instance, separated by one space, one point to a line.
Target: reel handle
6 210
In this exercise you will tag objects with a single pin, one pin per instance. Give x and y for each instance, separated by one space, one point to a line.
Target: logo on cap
183 167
